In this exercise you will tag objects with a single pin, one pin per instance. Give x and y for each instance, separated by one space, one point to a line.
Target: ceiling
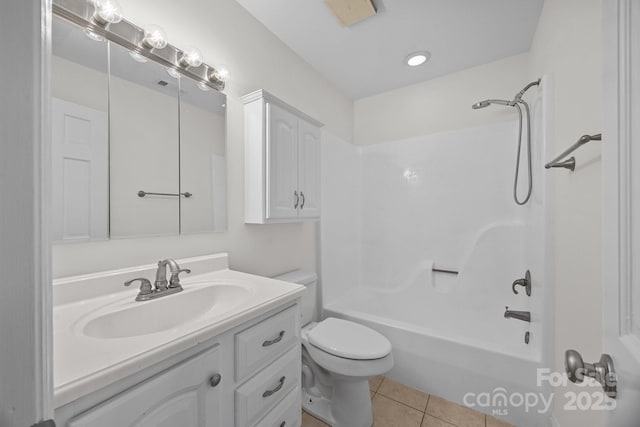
369 57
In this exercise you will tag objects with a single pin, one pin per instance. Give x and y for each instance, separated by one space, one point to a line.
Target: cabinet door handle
275 390
295 193
302 205
215 380
274 341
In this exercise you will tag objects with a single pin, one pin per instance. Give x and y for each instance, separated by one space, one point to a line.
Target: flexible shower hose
515 180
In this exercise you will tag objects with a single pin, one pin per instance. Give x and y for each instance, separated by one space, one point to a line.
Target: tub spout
525 316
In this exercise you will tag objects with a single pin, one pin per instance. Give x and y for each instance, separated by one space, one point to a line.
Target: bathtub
449 334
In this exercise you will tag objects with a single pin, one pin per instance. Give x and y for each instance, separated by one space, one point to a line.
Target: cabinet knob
215 380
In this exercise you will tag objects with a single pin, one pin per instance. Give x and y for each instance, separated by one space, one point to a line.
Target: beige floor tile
389 413
403 394
375 382
309 421
494 422
454 414
430 421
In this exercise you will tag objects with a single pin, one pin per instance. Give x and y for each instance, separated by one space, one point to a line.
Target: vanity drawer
288 413
264 342
267 388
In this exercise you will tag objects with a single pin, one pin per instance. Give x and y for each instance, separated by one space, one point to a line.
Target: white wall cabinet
258 363
282 161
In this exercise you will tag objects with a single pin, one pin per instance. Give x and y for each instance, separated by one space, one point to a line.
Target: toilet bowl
338 359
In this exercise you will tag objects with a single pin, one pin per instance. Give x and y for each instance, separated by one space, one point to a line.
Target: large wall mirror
137 150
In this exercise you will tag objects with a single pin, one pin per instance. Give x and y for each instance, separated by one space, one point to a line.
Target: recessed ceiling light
417 58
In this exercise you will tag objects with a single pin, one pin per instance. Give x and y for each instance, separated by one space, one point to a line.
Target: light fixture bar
130 36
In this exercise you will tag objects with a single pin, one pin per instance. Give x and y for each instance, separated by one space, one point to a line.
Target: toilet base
319 407
350 405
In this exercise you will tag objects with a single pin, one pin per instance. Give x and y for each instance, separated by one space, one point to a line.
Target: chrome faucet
162 287
525 316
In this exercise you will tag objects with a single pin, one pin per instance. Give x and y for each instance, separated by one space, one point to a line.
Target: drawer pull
275 390
274 341
215 380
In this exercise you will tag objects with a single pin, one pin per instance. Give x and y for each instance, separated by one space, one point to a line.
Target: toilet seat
348 340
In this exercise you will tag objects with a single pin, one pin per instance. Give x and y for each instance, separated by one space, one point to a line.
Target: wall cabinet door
182 396
282 163
308 170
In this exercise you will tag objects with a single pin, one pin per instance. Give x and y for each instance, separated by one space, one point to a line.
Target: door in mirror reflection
80 143
144 133
203 166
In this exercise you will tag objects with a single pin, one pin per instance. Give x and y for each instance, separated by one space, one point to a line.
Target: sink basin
131 318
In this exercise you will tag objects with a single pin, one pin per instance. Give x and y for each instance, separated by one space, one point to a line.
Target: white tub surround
445 201
84 364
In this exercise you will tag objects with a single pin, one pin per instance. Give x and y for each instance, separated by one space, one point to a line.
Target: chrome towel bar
570 163
148 193
443 270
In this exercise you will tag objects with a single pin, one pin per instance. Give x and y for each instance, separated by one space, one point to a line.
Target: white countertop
83 364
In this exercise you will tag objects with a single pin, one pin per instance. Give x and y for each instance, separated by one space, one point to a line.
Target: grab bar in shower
570 163
142 193
444 270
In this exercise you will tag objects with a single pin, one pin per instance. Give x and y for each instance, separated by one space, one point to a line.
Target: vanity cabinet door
308 169
187 395
282 163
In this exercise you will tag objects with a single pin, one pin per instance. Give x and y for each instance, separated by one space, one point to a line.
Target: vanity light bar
132 37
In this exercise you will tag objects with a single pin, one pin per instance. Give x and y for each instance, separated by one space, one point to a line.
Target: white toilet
338 359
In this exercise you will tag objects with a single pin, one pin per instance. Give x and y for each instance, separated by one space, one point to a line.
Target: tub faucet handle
526 283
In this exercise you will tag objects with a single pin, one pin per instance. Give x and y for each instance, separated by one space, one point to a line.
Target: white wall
568 45
441 104
340 218
228 35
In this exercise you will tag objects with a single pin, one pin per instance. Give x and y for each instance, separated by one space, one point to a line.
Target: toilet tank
307 279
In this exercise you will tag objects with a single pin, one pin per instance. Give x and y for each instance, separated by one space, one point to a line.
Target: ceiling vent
350 12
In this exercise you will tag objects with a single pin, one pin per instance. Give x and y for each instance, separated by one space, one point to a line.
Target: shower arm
518 97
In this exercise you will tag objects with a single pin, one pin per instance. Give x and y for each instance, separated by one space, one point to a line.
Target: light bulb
223 71
154 37
93 36
191 58
174 73
138 57
204 87
107 12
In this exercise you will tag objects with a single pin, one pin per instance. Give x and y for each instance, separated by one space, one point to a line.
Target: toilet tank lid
300 277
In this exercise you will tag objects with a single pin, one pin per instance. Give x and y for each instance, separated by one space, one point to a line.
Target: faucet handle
525 282
174 282
145 285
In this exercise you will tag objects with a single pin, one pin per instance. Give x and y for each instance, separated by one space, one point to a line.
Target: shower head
488 102
481 104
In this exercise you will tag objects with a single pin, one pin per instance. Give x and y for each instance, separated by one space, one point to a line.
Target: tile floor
396 405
